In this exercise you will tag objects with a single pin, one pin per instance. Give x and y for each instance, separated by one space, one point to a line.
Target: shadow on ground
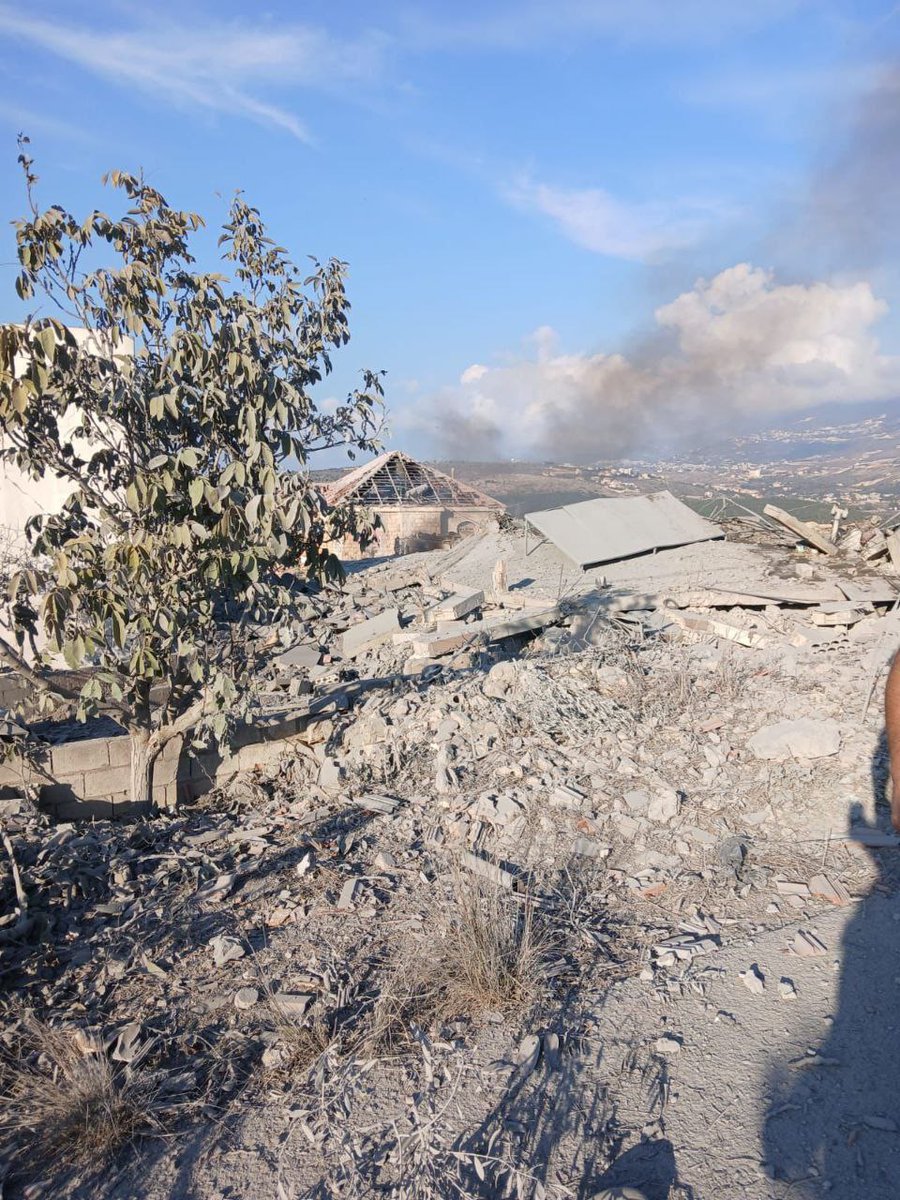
832 1127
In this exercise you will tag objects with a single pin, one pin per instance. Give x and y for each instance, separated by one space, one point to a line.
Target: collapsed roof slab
608 529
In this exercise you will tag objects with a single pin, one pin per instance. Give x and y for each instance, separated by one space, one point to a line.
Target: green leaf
251 510
195 491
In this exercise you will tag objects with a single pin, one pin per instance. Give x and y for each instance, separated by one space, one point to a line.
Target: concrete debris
487 870
292 1005
347 898
458 605
374 803
754 980
369 634
226 949
803 737
807 945
129 1043
789 887
831 890
801 528
663 807
632 773
717 629
786 989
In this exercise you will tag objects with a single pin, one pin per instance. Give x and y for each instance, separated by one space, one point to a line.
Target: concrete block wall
92 778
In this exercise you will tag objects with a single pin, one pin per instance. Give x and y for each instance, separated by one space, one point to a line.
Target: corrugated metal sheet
604 530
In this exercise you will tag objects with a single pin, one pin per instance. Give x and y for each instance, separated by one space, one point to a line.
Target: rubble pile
661 792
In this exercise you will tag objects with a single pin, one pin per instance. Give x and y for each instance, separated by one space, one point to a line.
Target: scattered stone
663 806
786 989
348 894
245 998
527 1054
826 889
226 949
884 1124
551 1051
754 980
802 738
807 945
668 1045
292 1004
384 861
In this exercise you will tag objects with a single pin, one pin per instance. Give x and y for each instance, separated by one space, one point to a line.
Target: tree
184 420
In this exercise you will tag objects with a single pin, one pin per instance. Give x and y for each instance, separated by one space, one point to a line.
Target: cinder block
119 751
87 755
52 794
165 796
165 770
126 809
14 773
171 751
84 810
106 782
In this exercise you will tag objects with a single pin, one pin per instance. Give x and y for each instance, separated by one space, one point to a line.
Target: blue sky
520 189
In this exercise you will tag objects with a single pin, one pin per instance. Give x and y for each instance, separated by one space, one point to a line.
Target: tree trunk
142 759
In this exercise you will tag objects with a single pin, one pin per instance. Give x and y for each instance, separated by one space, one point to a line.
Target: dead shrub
491 957
409 997
63 1100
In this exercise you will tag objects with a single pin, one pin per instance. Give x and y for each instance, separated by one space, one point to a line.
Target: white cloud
215 67
474 373
596 220
736 345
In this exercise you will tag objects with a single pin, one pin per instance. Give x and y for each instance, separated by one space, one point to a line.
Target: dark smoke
854 202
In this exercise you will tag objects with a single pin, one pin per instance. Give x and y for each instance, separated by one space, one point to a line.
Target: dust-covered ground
550 917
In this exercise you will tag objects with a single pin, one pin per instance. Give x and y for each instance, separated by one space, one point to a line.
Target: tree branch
10 657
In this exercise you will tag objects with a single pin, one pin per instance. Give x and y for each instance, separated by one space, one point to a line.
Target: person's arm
892 732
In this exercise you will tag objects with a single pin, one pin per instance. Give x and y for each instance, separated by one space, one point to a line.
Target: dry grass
63 1100
491 958
408 998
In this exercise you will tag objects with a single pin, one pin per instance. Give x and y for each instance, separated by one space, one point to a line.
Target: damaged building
419 507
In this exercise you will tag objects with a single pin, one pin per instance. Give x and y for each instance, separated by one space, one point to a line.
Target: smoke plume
740 344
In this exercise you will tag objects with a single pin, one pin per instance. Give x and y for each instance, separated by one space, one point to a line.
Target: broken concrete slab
801 528
694 623
800 738
610 528
456 606
305 655
831 890
371 633
486 870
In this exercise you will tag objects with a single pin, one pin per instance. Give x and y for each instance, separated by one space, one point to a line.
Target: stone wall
92 778
406 529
